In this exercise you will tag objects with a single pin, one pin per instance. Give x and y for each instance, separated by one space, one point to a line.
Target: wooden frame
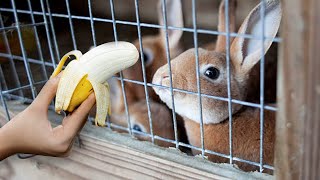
297 144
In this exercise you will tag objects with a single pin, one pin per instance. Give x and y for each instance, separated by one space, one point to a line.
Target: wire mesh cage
35 35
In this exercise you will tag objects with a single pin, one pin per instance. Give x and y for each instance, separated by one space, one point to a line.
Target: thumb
47 93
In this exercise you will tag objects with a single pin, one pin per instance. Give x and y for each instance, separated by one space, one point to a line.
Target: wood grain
297 143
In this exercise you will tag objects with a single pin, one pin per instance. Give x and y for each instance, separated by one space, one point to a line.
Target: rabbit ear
221 41
245 53
174 18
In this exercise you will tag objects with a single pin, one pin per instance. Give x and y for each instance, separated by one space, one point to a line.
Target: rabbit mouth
162 83
163 91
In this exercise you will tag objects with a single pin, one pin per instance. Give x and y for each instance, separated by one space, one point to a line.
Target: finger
48 92
77 119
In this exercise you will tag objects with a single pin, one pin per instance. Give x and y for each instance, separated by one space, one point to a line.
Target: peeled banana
89 73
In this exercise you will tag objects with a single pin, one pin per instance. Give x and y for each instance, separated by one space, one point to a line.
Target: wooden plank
104 153
73 165
16 169
297 143
149 162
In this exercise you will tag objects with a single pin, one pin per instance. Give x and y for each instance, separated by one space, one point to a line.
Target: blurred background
207 18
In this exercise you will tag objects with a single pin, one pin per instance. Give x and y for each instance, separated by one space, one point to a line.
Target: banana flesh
89 73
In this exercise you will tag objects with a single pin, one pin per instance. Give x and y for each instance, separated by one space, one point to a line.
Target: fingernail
92 95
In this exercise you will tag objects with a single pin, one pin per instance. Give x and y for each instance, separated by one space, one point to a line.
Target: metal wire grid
50 33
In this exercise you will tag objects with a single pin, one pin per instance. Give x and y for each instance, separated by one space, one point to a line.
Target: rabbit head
154 52
244 54
139 120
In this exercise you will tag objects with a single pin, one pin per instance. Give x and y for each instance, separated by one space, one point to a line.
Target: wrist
6 142
6 149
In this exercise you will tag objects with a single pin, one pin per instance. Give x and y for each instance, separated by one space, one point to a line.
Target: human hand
31 132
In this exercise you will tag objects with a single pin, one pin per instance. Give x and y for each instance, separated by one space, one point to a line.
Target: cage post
195 41
35 31
92 24
2 80
144 69
56 47
71 26
121 75
297 129
11 62
24 54
164 14
262 16
229 79
48 33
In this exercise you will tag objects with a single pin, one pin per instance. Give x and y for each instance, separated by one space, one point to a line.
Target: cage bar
44 71
229 79
195 41
262 16
164 14
235 101
24 54
92 24
120 73
56 47
48 35
147 25
11 62
71 26
2 79
144 70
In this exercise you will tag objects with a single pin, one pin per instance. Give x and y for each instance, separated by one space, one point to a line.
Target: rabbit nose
165 79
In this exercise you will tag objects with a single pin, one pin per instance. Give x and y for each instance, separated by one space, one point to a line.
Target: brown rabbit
270 65
244 55
154 54
139 120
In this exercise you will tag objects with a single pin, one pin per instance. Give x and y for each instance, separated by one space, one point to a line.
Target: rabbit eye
137 128
212 73
147 57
